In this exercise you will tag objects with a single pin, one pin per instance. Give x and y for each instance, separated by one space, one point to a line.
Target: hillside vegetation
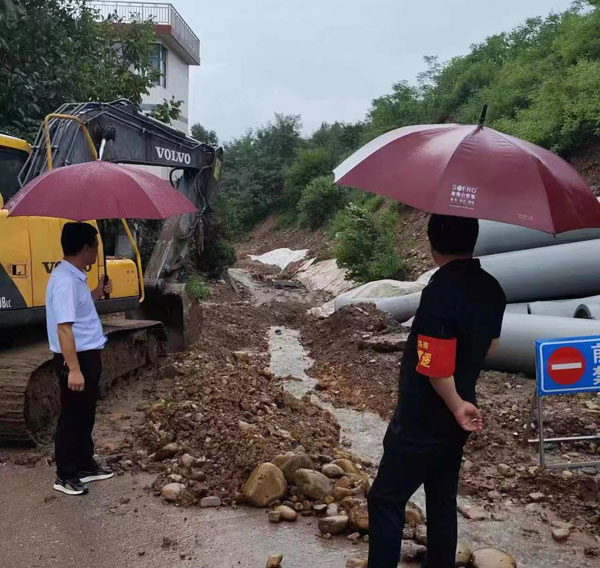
541 81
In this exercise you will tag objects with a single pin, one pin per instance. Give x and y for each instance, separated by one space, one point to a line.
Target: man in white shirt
76 338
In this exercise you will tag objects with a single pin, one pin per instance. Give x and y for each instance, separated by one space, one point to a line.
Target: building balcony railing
160 14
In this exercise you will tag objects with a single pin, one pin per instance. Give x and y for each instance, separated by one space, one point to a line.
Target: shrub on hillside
320 201
365 244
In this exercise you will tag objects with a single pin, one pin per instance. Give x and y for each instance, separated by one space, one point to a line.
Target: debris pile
219 412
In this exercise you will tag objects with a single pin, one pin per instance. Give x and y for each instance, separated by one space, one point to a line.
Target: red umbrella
99 190
473 171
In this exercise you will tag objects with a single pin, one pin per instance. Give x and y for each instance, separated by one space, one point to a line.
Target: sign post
565 366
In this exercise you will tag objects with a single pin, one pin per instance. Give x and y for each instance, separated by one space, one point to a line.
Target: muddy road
346 390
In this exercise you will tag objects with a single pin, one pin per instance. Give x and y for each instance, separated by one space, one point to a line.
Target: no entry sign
568 365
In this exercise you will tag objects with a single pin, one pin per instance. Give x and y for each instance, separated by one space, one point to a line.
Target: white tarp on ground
324 276
377 289
282 257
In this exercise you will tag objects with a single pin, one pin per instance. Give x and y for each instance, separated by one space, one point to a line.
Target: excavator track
29 394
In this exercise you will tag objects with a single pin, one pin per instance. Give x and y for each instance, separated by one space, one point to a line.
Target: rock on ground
359 518
313 484
463 554
492 558
333 525
265 485
274 561
560 535
332 470
286 513
414 514
172 491
356 563
291 462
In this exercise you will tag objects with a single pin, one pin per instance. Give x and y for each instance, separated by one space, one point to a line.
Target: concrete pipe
401 308
561 271
497 237
560 308
521 308
587 311
516 352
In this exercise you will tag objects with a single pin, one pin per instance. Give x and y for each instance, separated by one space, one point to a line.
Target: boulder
505 470
166 452
492 558
274 561
347 466
212 501
348 503
274 516
295 462
359 518
333 525
172 491
313 484
286 513
342 488
560 535
463 554
414 515
265 485
421 535
412 551
187 461
332 470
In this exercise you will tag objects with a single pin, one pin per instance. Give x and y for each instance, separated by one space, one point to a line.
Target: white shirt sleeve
64 302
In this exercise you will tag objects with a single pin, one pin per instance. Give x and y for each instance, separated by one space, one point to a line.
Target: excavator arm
121 133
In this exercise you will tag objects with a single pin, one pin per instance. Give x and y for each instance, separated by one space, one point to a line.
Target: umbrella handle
138 259
483 115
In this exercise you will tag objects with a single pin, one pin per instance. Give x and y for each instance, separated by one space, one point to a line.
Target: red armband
437 357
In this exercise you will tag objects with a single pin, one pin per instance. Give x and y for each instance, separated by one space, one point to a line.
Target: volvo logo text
173 155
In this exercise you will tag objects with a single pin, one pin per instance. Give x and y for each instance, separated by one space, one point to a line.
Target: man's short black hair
453 235
75 236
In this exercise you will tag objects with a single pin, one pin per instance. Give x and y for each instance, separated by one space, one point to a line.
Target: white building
177 47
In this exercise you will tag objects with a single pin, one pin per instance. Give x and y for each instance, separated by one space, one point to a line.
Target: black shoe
95 474
72 486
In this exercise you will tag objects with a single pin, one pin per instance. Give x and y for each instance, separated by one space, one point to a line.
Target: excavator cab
13 155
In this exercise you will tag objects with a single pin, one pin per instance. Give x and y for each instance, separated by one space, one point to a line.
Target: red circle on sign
566 365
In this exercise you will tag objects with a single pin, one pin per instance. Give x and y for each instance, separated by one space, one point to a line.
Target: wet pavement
43 529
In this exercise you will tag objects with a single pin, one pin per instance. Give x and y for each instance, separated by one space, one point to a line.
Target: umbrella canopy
473 171
99 190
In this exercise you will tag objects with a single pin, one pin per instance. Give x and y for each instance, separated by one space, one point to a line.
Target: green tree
167 111
204 135
254 172
57 51
320 201
365 244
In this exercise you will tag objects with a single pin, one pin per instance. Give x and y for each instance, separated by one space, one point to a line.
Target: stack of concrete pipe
552 284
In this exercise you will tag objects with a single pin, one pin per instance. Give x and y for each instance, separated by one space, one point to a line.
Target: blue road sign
569 365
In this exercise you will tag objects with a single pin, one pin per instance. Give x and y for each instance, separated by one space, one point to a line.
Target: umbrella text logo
5 303
463 196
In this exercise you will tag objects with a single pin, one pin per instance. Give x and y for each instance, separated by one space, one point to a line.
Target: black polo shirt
460 313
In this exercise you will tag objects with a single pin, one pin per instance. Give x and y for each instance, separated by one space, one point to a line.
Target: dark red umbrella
473 171
99 190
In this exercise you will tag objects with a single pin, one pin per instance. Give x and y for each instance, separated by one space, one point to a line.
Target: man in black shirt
458 322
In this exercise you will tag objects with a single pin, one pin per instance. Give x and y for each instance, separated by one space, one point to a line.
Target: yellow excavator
30 248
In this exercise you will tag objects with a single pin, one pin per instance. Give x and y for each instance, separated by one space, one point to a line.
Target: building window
158 60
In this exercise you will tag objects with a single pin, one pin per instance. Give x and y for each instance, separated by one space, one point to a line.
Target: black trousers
74 447
401 473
